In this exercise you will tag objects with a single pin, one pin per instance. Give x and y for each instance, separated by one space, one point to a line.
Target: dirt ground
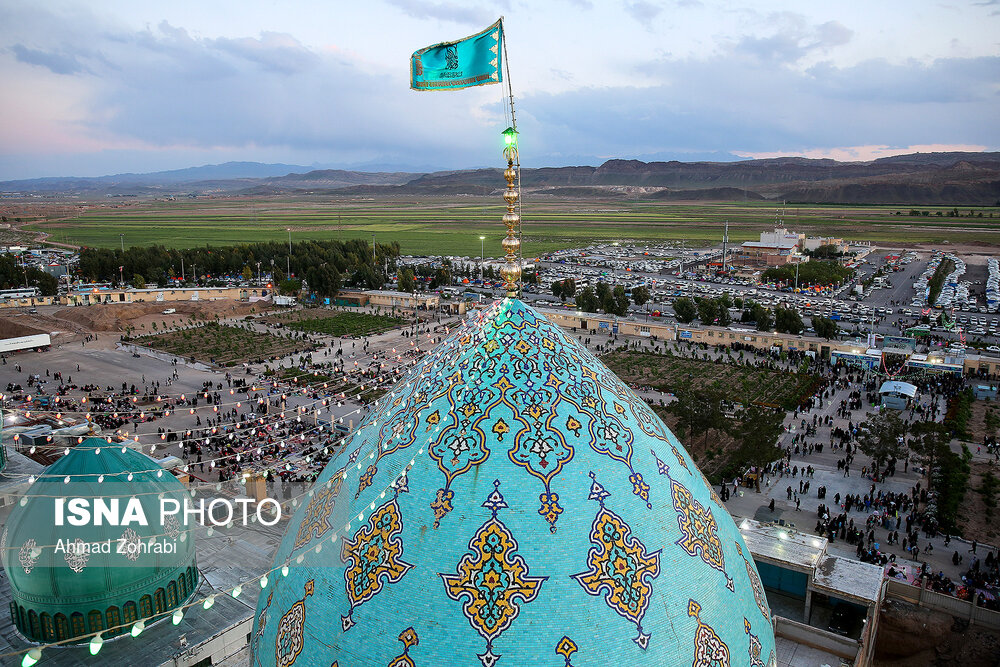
910 636
975 519
977 422
72 322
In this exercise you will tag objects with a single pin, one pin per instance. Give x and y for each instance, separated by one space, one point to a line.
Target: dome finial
511 271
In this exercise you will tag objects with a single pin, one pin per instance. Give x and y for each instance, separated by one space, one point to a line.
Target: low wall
800 633
947 604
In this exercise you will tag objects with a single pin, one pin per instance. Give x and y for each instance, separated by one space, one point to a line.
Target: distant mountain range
959 179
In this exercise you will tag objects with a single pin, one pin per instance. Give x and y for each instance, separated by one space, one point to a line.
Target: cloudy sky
106 86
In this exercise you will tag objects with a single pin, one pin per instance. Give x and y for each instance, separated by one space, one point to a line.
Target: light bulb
237 591
178 615
138 628
263 581
209 601
31 657
95 644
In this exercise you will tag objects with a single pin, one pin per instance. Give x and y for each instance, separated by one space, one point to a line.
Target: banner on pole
473 61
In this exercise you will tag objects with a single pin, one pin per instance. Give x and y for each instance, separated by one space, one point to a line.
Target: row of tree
716 312
809 273
326 265
13 276
612 300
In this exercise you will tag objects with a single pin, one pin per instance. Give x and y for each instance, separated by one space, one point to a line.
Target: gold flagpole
511 271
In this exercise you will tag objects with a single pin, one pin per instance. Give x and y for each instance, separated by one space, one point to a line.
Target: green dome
76 580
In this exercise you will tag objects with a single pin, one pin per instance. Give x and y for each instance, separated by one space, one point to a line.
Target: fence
944 603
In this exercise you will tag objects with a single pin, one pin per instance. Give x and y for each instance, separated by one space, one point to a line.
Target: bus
19 293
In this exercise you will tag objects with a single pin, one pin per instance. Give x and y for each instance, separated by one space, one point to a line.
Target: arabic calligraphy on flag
473 61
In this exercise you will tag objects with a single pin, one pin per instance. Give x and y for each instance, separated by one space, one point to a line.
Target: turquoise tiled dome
512 502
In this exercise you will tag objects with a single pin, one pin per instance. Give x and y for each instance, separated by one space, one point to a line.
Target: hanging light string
32 655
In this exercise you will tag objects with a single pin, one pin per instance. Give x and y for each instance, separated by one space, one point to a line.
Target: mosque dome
512 502
71 580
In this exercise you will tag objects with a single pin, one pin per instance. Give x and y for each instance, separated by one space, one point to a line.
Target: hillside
953 179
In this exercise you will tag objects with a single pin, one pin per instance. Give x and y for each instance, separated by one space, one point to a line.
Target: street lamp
288 263
122 237
482 257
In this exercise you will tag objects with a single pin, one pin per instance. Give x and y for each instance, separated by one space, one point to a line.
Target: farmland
335 324
452 225
224 345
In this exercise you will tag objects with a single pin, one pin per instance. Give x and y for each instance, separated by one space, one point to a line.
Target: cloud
642 11
275 52
166 89
864 153
445 11
793 40
57 63
736 100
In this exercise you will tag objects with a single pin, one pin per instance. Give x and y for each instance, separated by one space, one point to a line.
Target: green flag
473 61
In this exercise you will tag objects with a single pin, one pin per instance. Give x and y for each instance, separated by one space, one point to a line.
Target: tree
722 316
602 290
640 295
881 437
757 431
608 304
825 327
138 281
620 301
685 310
289 287
762 316
708 310
564 289
442 277
587 301
407 281
787 320
930 443
698 410
247 274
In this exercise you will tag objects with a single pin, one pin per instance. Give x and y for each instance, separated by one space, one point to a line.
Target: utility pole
288 264
122 237
797 275
725 241
182 269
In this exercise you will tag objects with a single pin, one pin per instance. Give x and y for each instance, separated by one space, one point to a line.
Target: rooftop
782 545
849 579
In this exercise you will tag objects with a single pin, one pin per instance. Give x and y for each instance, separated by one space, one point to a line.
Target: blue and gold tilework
512 502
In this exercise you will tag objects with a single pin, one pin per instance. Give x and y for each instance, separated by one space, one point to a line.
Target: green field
453 225
224 345
345 324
